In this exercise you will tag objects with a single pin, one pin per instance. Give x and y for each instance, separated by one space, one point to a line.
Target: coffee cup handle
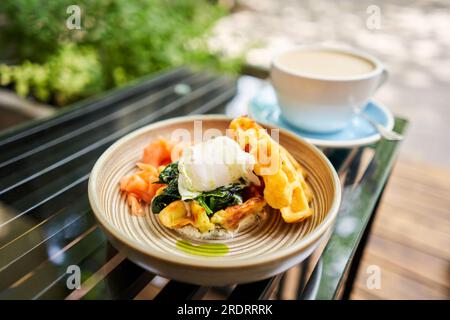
384 76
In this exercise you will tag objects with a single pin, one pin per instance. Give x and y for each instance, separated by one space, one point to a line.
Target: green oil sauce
207 249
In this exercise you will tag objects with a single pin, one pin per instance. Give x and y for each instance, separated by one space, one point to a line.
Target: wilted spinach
170 194
169 173
221 198
212 201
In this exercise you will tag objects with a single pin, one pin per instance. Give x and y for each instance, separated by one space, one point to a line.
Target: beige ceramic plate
256 253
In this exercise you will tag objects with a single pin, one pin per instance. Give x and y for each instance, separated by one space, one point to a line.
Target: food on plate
214 188
285 186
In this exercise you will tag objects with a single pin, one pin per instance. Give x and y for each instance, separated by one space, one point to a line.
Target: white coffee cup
320 87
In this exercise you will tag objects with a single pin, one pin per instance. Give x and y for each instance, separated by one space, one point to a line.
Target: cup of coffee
319 88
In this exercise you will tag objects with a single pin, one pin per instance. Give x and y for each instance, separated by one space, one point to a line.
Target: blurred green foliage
119 40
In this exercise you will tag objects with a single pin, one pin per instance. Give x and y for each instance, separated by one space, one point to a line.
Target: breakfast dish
262 245
213 189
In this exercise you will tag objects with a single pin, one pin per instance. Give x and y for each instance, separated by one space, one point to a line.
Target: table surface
46 224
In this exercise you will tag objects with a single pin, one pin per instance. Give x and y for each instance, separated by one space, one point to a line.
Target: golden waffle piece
285 185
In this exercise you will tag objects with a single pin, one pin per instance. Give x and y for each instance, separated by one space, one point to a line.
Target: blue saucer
264 108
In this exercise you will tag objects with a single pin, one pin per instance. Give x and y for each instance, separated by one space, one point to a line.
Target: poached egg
211 164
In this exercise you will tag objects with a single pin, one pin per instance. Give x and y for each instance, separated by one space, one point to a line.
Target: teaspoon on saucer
386 134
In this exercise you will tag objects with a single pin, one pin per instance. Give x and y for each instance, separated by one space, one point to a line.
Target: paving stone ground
413 41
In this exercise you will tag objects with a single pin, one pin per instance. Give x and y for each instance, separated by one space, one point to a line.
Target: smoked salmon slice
140 186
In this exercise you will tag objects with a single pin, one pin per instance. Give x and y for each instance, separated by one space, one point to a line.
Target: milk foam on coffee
326 63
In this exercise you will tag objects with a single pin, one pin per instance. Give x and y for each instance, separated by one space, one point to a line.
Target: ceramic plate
256 253
264 108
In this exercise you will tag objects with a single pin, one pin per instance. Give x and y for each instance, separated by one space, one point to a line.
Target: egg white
211 164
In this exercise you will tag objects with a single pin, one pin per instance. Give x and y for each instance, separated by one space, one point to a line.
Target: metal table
46 224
